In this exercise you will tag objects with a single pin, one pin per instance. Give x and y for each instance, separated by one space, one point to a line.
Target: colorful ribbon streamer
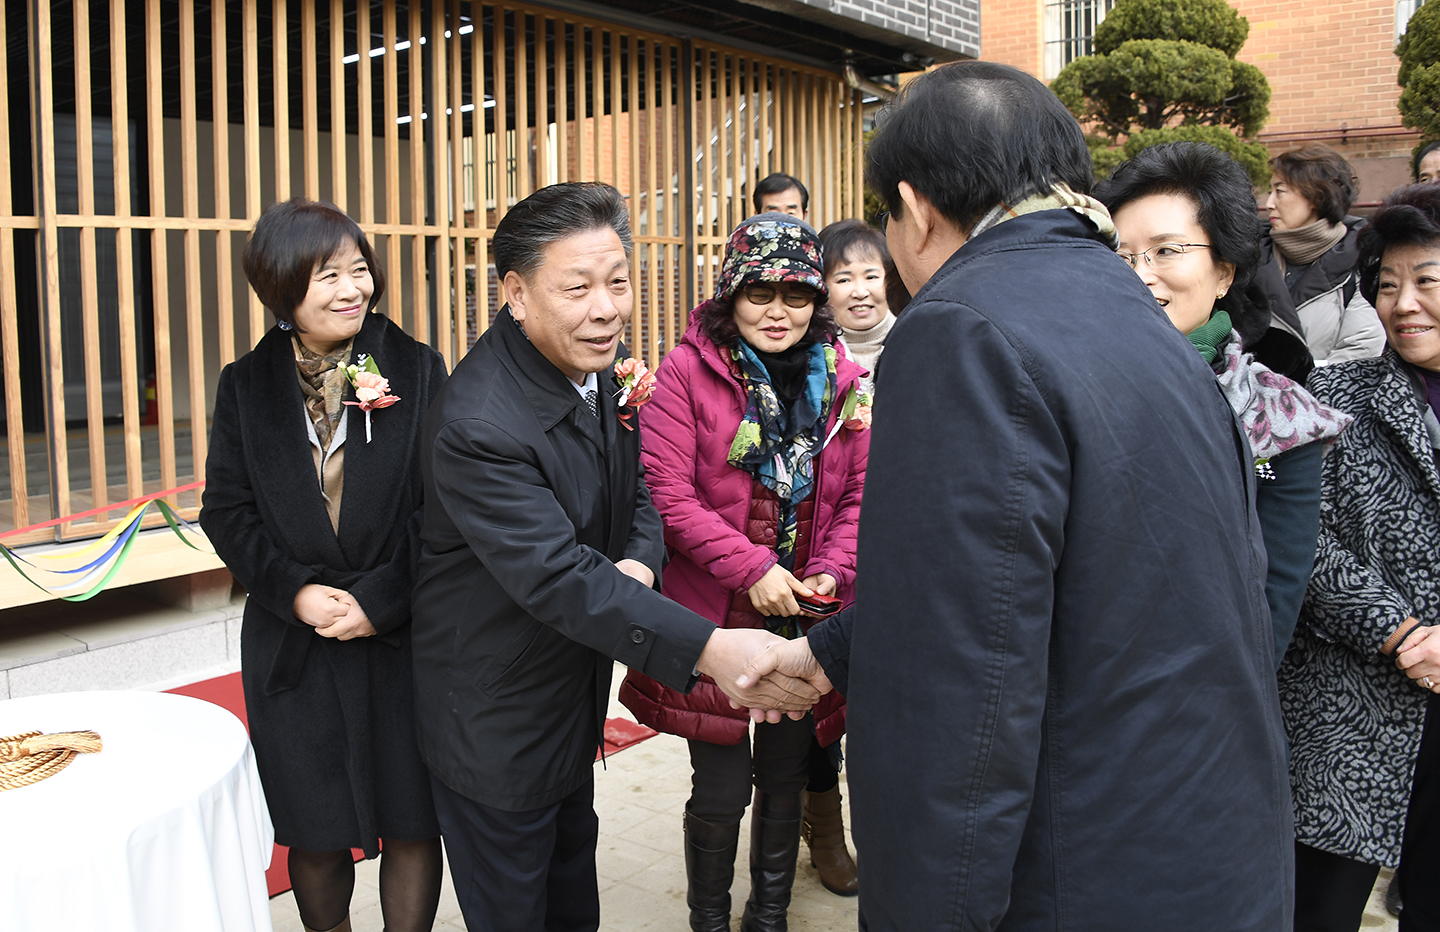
114 548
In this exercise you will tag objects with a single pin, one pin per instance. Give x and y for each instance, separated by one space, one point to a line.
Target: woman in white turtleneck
855 258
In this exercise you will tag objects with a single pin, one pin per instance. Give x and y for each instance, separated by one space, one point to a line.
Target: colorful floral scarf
1276 413
778 446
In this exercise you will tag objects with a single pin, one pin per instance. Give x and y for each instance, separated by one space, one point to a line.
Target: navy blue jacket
1063 711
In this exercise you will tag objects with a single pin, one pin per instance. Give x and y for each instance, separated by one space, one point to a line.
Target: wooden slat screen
163 127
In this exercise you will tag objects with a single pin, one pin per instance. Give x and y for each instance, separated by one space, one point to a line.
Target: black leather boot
774 845
709 869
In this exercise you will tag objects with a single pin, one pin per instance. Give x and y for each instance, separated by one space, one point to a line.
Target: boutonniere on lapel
371 388
637 384
855 415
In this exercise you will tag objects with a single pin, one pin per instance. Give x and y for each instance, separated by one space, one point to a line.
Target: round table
166 828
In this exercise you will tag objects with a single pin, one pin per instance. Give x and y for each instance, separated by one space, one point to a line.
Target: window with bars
1404 9
1070 30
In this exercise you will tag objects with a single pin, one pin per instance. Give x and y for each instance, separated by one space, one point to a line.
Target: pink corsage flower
636 384
371 388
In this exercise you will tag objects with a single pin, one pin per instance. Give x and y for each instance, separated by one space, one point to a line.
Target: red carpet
226 692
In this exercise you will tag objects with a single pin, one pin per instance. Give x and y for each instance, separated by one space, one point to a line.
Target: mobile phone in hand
818 604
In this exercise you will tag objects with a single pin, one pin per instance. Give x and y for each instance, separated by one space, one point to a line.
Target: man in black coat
540 557
1062 710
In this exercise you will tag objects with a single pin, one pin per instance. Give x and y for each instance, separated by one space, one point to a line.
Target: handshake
764 673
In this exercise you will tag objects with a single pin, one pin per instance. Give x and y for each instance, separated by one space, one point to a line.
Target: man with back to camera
540 556
782 193
1062 710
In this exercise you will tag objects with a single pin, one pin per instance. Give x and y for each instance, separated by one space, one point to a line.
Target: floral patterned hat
772 247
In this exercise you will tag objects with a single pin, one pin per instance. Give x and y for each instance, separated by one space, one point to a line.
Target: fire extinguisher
152 409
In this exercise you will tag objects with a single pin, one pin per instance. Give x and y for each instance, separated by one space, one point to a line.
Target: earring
284 325
1220 295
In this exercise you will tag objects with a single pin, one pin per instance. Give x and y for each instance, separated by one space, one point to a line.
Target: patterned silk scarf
778 446
323 384
1060 197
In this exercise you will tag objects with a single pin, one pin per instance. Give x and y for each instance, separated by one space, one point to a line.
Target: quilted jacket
707 506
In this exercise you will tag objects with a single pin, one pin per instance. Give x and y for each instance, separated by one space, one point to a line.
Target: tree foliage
1162 67
1419 53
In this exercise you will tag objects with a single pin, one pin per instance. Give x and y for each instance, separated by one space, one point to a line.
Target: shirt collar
591 384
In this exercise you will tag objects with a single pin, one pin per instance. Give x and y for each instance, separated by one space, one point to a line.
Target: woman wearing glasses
1185 217
755 458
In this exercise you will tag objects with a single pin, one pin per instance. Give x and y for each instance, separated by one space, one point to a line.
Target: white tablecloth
166 828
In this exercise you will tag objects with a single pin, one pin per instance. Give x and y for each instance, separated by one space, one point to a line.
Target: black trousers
722 774
528 871
1331 891
1419 871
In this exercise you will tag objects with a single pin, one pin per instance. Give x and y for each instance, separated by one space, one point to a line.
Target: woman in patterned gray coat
1359 683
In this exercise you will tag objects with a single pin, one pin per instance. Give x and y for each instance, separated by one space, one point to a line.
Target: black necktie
592 398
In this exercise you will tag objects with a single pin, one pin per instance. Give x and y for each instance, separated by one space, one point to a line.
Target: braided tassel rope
31 756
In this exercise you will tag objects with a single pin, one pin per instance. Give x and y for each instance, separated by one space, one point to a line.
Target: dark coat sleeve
1289 510
495 491
384 592
830 643
231 519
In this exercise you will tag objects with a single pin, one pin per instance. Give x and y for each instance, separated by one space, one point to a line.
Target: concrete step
121 639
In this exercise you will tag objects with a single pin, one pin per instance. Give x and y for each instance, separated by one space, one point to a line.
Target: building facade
1331 68
143 138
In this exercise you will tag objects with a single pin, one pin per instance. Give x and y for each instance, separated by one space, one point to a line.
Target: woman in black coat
313 500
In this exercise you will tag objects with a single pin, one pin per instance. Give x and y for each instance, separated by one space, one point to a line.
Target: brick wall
950 24
1013 32
1331 67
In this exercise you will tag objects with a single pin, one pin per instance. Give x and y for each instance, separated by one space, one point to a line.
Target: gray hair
551 214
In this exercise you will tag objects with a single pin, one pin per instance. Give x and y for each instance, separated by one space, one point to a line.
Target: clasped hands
761 671
333 613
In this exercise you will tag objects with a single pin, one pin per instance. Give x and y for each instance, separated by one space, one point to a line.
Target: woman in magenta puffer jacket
754 447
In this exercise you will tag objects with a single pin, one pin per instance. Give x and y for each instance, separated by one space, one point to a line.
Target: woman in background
757 475
855 260
1312 245
314 505
1427 163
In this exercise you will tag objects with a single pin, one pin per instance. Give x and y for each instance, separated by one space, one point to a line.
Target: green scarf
1208 336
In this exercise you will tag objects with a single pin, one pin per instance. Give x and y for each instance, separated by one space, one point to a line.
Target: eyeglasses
1161 255
880 221
764 294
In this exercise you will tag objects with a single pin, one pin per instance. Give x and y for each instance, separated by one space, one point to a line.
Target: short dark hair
1420 157
972 134
775 183
1408 217
1224 200
849 239
291 239
717 320
1320 175
551 214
